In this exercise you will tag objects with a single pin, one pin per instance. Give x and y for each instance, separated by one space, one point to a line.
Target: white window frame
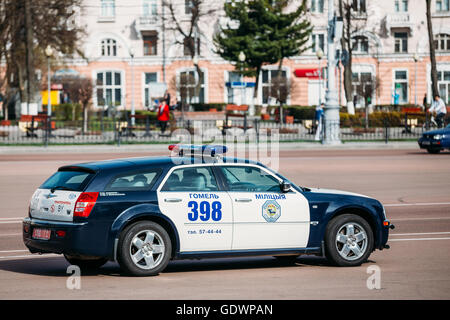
401 42
108 46
227 79
365 68
439 40
146 86
315 42
261 84
112 87
442 5
315 6
357 48
107 8
149 8
205 85
394 81
399 6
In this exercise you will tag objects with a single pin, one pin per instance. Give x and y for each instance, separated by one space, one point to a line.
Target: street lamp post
416 59
242 60
48 53
331 110
319 55
133 111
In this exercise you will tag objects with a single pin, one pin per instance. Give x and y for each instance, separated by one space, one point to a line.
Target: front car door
189 195
264 217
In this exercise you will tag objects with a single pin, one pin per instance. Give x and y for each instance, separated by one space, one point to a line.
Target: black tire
86 263
156 249
348 251
433 150
287 259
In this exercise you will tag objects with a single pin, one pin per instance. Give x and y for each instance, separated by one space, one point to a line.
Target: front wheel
144 249
348 240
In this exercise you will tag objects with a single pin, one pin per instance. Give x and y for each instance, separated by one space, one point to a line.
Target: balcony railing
398 20
147 22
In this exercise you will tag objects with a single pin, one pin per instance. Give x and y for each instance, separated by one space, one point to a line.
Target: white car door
264 217
190 197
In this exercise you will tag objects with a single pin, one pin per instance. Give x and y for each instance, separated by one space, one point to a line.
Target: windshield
68 180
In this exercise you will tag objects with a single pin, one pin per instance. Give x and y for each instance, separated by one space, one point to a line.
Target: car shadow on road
57 266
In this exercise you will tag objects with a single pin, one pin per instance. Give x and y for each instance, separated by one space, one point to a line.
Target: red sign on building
307 73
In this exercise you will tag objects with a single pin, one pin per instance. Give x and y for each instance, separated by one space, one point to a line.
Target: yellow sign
54 97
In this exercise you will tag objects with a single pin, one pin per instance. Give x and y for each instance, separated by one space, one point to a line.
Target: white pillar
331 110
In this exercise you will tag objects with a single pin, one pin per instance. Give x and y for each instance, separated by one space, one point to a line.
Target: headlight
438 136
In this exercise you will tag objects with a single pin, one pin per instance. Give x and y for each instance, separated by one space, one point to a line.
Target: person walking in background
318 121
438 106
425 103
167 97
163 115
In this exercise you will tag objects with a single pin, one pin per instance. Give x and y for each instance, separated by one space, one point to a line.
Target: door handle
243 200
172 200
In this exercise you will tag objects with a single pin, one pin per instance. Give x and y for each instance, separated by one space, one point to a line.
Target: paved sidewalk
163 147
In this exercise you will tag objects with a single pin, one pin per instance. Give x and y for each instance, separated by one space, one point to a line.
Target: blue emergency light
191 149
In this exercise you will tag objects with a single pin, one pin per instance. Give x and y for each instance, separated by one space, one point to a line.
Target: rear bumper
425 143
77 239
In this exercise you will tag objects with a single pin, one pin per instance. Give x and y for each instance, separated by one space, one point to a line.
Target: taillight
84 204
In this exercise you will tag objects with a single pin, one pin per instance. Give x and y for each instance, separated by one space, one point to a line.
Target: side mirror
285 186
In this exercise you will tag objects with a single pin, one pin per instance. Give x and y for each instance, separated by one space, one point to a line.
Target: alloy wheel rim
351 241
147 249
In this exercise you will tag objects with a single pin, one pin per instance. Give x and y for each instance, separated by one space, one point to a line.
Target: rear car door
264 217
190 197
55 199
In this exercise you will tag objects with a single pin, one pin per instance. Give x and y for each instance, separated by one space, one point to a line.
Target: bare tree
366 88
26 29
188 30
434 81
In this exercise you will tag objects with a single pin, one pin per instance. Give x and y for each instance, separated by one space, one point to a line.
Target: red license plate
42 234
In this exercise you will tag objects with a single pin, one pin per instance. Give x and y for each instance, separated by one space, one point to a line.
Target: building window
444 85
400 86
442 42
359 6
360 44
317 6
150 8
274 87
362 86
108 8
150 77
442 5
233 91
109 48
318 41
189 46
150 45
401 42
188 84
401 5
188 6
109 88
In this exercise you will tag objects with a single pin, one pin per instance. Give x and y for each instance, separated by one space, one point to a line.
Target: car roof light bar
203 150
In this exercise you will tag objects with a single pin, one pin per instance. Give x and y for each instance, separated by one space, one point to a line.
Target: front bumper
76 240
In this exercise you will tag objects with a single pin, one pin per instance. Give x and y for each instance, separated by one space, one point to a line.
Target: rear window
68 180
134 181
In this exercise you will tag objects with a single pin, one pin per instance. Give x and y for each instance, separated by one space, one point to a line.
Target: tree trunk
30 85
346 43
434 81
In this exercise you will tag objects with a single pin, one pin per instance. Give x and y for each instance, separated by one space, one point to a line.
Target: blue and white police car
143 212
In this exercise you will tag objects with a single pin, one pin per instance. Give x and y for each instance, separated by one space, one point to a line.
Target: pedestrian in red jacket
163 115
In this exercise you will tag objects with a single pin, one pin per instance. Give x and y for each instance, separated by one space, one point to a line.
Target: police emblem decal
271 210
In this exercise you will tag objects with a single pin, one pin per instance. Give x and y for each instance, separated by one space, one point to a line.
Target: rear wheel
348 240
144 249
433 150
86 263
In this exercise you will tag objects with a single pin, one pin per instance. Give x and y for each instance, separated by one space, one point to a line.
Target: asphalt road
413 185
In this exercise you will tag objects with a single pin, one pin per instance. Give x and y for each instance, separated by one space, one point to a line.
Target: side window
134 181
249 179
191 179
